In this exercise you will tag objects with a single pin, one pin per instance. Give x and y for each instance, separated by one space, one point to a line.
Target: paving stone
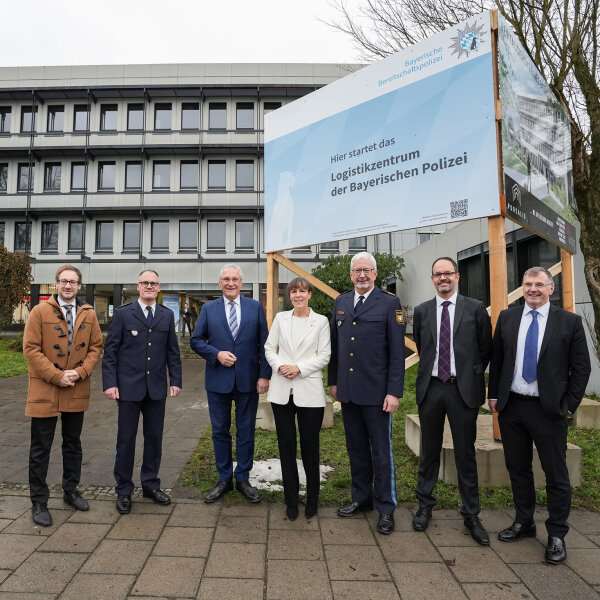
279 520
235 508
495 520
184 541
402 519
24 524
231 589
583 520
497 591
408 546
574 539
138 527
249 560
348 562
365 590
476 565
12 507
297 580
4 523
419 581
198 514
552 582
125 557
242 529
586 563
44 572
595 539
15 548
347 531
292 544
4 573
100 511
98 587
526 550
76 537
12 596
330 512
170 576
449 532
140 506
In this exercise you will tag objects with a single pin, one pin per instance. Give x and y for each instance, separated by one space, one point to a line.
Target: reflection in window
26 177
189 175
106 176
22 237
56 118
216 174
28 119
244 235
160 236
161 179
215 236
133 175
75 236
3 176
271 106
217 115
135 117
330 247
357 244
244 118
244 174
162 116
188 236
52 177
190 115
81 120
108 117
78 176
2 227
104 236
50 236
5 113
131 236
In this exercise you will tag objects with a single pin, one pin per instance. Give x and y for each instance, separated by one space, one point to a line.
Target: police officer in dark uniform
141 342
366 374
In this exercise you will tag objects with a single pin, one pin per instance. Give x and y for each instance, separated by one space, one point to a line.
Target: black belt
523 396
452 380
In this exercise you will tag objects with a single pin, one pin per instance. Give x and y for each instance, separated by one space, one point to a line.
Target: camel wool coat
45 348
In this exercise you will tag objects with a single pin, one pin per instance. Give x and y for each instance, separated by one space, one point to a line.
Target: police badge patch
399 317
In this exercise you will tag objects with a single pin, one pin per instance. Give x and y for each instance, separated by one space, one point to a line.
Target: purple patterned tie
444 355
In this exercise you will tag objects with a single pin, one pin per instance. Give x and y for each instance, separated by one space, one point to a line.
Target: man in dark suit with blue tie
366 374
539 371
140 346
230 335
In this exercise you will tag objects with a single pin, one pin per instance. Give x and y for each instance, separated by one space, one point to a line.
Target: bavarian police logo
468 39
399 317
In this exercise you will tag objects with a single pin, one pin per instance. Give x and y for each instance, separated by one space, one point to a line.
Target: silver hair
533 271
366 256
148 271
231 266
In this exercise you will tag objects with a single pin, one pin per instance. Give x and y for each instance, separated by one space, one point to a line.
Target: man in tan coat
62 344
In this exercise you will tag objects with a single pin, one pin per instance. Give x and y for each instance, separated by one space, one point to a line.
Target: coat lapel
137 311
222 318
459 310
549 331
432 318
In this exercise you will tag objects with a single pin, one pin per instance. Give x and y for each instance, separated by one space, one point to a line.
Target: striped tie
233 324
69 308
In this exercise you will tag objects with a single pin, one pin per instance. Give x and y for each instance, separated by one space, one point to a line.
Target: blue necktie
531 346
149 314
233 324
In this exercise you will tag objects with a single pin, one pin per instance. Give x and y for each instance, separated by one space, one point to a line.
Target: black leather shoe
40 514
385 524
250 493
310 510
556 552
76 500
158 496
291 512
517 531
123 504
478 532
421 519
352 509
218 491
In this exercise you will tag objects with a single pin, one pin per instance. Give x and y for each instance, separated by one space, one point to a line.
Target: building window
108 117
162 117
160 236
188 236
133 175
3 177
104 236
75 236
244 174
135 117
28 119
50 236
330 247
131 236
106 175
81 118
217 115
56 118
302 249
161 177
216 174
357 244
22 237
190 115
244 115
189 175
52 174
215 236
26 177
5 113
270 106
2 227
78 176
244 235
424 237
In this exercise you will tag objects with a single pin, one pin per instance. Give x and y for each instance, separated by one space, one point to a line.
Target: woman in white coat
298 347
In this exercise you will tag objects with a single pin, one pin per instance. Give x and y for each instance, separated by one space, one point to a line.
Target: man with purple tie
453 335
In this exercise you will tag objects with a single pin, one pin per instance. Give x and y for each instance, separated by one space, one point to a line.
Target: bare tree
560 36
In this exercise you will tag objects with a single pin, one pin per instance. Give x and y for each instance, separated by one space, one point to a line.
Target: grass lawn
11 362
201 472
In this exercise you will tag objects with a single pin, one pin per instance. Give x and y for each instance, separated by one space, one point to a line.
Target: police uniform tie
233 324
360 302
69 319
530 354
444 354
149 314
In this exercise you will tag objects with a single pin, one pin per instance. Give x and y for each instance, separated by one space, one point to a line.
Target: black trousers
443 399
185 323
42 436
310 420
522 424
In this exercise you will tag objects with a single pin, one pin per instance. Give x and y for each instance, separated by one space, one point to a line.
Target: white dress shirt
365 296
143 307
438 317
73 303
238 309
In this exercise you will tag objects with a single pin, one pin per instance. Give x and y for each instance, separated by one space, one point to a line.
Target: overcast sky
68 32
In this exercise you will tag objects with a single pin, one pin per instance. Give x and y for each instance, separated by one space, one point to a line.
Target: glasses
365 271
444 274
150 284
70 282
230 279
537 286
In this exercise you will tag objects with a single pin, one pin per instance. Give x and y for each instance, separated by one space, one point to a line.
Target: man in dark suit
230 335
140 345
453 335
186 319
366 374
539 371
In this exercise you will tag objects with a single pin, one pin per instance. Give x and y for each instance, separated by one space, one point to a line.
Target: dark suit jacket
471 341
367 348
563 364
212 335
136 356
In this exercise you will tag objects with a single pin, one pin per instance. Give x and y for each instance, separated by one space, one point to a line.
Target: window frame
85 172
135 107
161 163
153 247
4 111
52 111
217 106
98 247
77 109
48 167
160 106
70 248
216 249
104 110
188 248
133 163
4 187
132 249
196 110
181 165
101 165
33 112
27 248
214 163
30 180
47 249
244 106
239 163
244 248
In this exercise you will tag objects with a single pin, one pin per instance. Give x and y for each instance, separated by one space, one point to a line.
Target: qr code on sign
459 208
